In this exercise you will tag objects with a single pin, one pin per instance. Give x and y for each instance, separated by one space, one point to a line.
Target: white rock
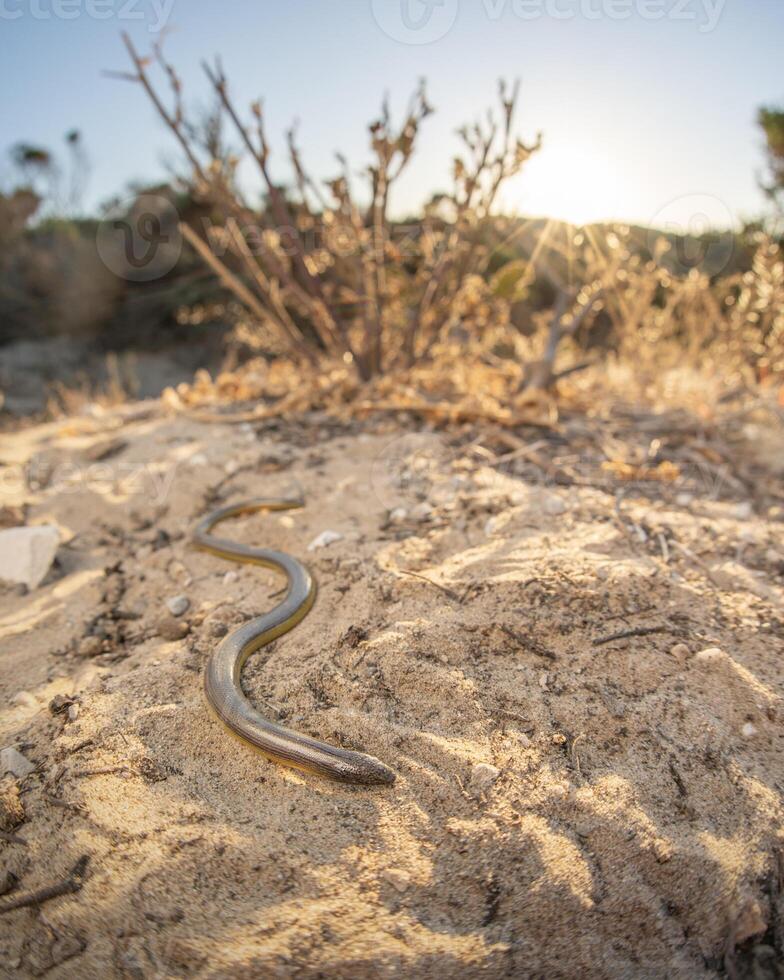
398 515
491 525
683 499
422 512
483 775
554 505
743 511
710 656
15 763
198 459
178 605
24 699
748 730
230 577
27 553
324 539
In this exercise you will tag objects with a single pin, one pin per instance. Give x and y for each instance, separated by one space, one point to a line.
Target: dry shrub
440 310
322 268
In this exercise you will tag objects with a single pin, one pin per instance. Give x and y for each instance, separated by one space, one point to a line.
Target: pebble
90 646
324 539
398 879
491 525
230 577
683 499
680 652
743 511
748 730
774 557
171 629
748 922
398 516
73 711
554 505
24 699
710 656
483 775
12 811
60 703
178 605
422 512
11 760
27 553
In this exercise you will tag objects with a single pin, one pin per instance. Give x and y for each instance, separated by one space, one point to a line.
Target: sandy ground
625 818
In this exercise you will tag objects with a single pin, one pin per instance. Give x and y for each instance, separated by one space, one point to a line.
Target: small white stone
554 505
73 711
231 467
286 521
14 762
27 553
544 680
178 605
483 775
748 730
24 699
398 515
324 539
683 499
422 512
198 459
230 577
680 652
743 511
710 656
491 526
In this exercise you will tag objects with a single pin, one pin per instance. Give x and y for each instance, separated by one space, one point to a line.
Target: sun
574 183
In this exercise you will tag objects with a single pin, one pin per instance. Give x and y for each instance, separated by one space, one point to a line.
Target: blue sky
647 106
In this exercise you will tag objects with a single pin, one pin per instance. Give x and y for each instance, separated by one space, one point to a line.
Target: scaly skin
224 668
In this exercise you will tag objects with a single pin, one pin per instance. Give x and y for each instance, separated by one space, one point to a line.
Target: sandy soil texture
579 687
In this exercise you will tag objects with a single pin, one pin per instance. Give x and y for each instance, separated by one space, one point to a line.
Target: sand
563 807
